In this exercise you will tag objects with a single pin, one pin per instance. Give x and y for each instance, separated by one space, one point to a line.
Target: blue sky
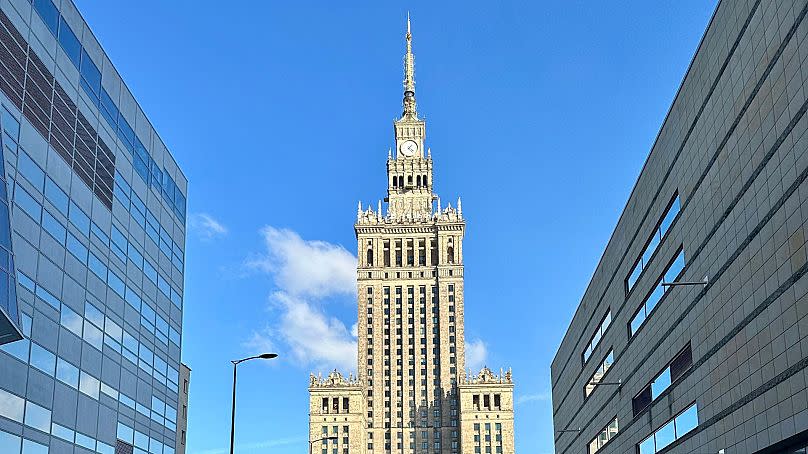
539 114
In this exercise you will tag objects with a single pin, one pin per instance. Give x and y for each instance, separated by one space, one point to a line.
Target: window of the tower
410 253
450 252
395 181
434 252
386 252
422 252
398 252
370 257
409 180
418 181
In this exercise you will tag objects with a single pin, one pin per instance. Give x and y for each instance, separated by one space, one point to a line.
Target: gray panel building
182 408
97 211
717 361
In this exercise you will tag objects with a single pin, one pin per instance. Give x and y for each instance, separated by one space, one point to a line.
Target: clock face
408 148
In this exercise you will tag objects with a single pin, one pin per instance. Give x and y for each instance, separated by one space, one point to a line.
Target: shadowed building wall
716 361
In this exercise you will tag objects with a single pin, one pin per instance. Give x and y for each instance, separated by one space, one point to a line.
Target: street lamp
311 443
233 417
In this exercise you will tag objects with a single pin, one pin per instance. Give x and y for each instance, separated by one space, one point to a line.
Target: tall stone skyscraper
411 394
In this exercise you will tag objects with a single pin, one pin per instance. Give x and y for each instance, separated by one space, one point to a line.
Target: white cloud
313 337
304 273
540 397
261 342
306 268
476 354
206 227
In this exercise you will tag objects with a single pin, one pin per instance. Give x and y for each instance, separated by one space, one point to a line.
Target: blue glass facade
97 211
9 313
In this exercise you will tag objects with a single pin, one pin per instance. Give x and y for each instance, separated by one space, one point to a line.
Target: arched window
418 181
450 251
370 257
409 180
395 181
424 180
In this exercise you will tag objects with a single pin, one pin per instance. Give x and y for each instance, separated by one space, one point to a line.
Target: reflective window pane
687 421
53 227
647 446
669 216
675 268
637 321
9 443
62 432
37 417
79 219
67 373
70 43
89 385
661 383
56 196
665 435
632 279
43 359
30 447
77 248
49 14
125 433
31 171
11 406
654 298
28 204
650 249
71 320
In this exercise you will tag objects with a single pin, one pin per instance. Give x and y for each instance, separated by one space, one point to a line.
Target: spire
409 75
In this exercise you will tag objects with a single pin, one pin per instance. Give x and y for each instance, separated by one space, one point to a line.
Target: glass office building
94 207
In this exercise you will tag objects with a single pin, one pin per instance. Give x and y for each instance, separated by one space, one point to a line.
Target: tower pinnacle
409 76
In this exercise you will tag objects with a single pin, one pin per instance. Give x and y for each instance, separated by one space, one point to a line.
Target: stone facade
336 409
717 363
486 412
411 308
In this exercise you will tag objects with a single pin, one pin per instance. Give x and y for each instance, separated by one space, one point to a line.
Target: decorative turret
486 375
334 379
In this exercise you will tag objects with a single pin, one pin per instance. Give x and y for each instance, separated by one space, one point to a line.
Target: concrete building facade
410 307
97 210
182 408
692 336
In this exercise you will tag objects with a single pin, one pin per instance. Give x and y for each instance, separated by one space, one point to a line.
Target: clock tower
409 171
411 394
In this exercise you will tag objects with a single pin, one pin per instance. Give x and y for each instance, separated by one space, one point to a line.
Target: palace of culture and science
412 394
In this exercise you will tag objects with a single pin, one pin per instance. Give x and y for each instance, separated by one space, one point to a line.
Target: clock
408 148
